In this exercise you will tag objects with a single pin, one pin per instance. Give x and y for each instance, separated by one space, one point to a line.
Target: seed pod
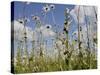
80 28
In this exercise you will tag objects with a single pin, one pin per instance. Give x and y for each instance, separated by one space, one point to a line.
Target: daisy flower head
21 21
46 8
36 18
48 26
52 6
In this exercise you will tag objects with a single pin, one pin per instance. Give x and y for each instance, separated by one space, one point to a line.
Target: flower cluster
47 8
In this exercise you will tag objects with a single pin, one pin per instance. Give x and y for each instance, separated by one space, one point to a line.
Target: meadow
50 46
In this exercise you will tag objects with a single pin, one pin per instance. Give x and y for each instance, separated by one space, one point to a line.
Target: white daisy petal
52 6
46 8
35 18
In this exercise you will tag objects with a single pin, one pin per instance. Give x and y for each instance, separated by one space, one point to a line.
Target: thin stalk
88 43
79 42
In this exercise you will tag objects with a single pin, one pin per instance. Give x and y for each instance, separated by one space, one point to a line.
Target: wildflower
21 21
35 18
67 10
52 6
46 9
26 19
48 26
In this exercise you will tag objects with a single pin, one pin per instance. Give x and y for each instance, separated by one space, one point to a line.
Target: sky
36 9
26 9
22 9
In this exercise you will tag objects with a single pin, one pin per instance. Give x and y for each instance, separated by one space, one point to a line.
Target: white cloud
78 10
72 12
90 12
82 11
46 31
19 31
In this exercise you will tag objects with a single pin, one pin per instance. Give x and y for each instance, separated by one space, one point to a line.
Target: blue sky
36 9
21 9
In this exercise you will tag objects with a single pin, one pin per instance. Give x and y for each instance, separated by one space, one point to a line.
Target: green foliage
42 64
